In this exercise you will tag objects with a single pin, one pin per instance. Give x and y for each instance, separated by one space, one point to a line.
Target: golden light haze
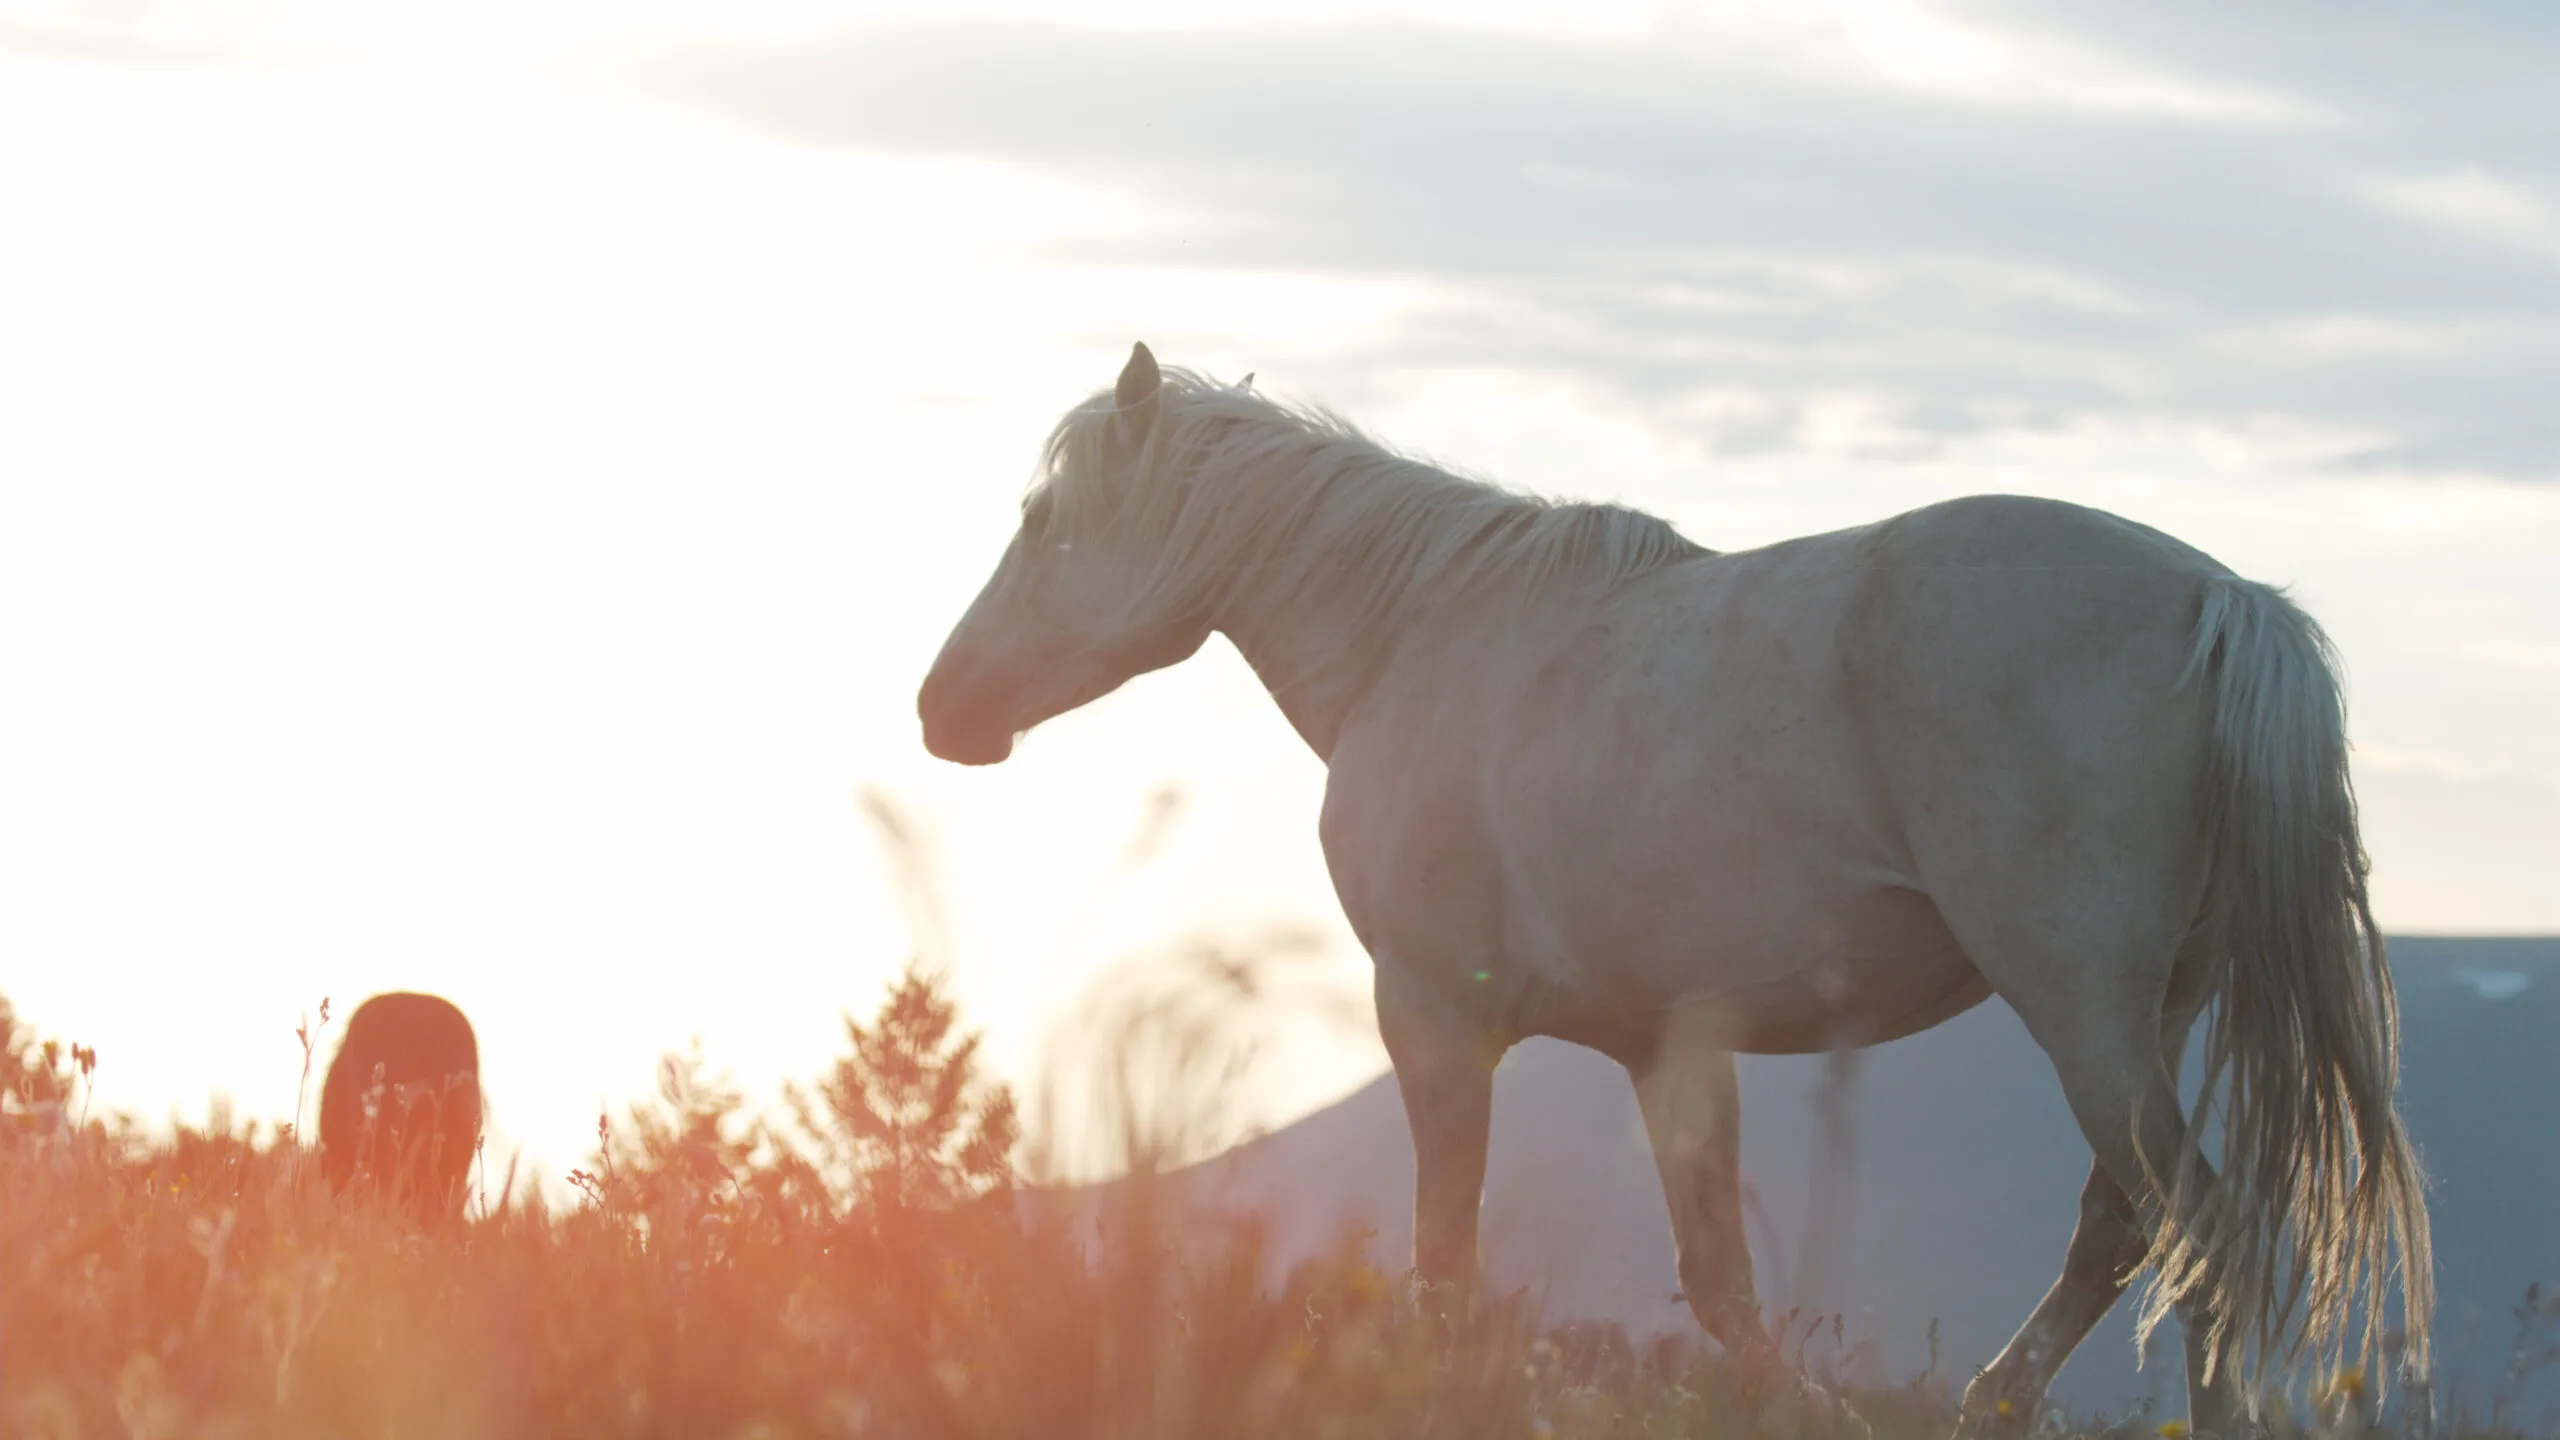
468 524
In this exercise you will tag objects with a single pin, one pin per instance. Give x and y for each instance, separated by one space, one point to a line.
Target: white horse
1590 780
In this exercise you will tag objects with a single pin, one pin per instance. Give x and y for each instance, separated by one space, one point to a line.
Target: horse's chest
1411 863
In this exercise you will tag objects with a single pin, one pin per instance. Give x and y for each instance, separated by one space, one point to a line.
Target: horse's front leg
1693 1116
1444 1068
1692 1104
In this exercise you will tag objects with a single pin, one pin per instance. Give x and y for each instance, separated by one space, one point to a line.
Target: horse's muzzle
956 730
968 747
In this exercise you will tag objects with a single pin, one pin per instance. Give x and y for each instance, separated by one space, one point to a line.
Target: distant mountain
1966 1178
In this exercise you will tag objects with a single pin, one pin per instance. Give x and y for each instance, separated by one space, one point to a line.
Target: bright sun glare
491 528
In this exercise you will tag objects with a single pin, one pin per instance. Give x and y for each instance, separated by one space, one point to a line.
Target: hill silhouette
1963 1186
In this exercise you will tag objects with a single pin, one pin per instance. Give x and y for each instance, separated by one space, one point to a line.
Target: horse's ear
1134 399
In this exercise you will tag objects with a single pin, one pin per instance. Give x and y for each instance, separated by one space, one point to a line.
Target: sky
480 484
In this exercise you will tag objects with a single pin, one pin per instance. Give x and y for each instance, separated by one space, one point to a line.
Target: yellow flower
2173 1430
2350 1382
2004 1409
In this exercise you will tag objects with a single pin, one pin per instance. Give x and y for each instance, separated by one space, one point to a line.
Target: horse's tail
2319 1184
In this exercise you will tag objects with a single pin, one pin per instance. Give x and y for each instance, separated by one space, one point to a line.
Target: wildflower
1367 1284
2350 1383
2173 1430
2004 1410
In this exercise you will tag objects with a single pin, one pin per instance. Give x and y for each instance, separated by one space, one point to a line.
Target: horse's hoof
1985 1417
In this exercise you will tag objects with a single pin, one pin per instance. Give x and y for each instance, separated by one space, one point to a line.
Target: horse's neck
1318 647
1316 665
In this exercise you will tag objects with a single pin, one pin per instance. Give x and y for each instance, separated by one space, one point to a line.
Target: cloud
2020 228
136 31
2474 203
1961 219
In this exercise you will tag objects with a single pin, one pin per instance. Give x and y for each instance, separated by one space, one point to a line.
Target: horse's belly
1860 1003
1788 974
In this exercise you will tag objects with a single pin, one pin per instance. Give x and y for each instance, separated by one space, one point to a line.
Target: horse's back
1738 778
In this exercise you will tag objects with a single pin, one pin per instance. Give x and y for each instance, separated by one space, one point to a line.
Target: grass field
856 1266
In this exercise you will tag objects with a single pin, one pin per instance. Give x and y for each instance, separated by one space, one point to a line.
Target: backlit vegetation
861 1259
864 1265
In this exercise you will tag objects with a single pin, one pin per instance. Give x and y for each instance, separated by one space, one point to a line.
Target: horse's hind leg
2108 1243
2124 1096
2004 1399
2105 1247
2103 1087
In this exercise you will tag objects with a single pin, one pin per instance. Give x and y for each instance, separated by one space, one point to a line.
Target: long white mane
1230 487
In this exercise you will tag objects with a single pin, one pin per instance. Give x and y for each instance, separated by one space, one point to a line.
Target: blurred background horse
400 1111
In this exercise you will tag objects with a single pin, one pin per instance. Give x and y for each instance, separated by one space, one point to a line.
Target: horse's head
1077 605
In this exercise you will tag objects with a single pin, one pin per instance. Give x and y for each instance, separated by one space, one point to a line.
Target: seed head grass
865 1264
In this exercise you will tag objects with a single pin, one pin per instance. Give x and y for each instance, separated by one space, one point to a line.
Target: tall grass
728 1276
862 1266
862 1260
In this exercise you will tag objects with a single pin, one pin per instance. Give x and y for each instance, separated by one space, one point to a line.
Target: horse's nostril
940 701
